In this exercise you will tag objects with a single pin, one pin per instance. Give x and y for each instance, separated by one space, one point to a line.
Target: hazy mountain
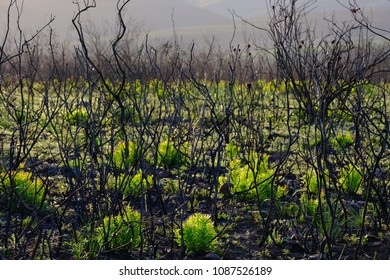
193 19
35 13
153 15
249 7
158 14
244 8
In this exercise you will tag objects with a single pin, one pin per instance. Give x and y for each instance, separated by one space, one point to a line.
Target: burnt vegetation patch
129 150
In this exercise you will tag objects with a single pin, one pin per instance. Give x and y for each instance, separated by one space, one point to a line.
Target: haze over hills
193 19
253 8
245 8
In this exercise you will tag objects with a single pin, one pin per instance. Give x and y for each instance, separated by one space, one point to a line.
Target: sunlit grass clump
22 191
313 180
249 183
133 185
77 117
125 155
120 232
350 179
252 179
342 141
169 156
308 205
199 235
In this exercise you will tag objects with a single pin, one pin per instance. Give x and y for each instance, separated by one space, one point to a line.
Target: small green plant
125 155
30 191
342 141
311 181
77 117
83 247
171 186
253 179
274 237
169 156
122 231
309 207
355 217
329 223
232 151
354 239
134 185
350 179
138 184
291 210
199 235
243 180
